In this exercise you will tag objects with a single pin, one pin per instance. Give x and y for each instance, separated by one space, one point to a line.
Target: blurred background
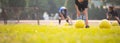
38 9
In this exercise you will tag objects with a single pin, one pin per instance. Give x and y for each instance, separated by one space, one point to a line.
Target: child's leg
86 17
5 20
60 20
118 20
78 14
61 17
69 19
80 17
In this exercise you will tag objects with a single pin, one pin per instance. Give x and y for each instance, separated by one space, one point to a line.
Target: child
63 14
112 13
82 6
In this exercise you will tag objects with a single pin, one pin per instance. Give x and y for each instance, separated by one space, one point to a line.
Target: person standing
82 7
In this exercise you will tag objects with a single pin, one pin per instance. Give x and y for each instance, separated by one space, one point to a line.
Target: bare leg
78 14
118 20
69 19
59 21
86 14
60 18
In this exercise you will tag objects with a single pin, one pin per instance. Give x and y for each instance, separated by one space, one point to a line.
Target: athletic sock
84 18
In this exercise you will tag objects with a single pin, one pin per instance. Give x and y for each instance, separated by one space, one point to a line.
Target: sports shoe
87 26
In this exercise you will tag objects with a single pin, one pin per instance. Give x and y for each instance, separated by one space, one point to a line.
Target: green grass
27 33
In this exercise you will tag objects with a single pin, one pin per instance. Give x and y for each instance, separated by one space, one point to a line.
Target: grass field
28 33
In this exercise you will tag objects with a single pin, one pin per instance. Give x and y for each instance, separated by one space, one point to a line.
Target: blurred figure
51 16
82 6
46 16
4 15
63 14
112 13
56 16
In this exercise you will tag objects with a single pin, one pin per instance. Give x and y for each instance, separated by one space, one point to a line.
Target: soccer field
50 33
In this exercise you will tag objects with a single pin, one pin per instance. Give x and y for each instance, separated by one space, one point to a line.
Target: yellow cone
105 24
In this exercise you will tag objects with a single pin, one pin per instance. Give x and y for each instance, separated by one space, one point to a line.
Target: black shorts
82 5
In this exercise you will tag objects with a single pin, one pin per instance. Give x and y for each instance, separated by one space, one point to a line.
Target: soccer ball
105 24
79 24
115 24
